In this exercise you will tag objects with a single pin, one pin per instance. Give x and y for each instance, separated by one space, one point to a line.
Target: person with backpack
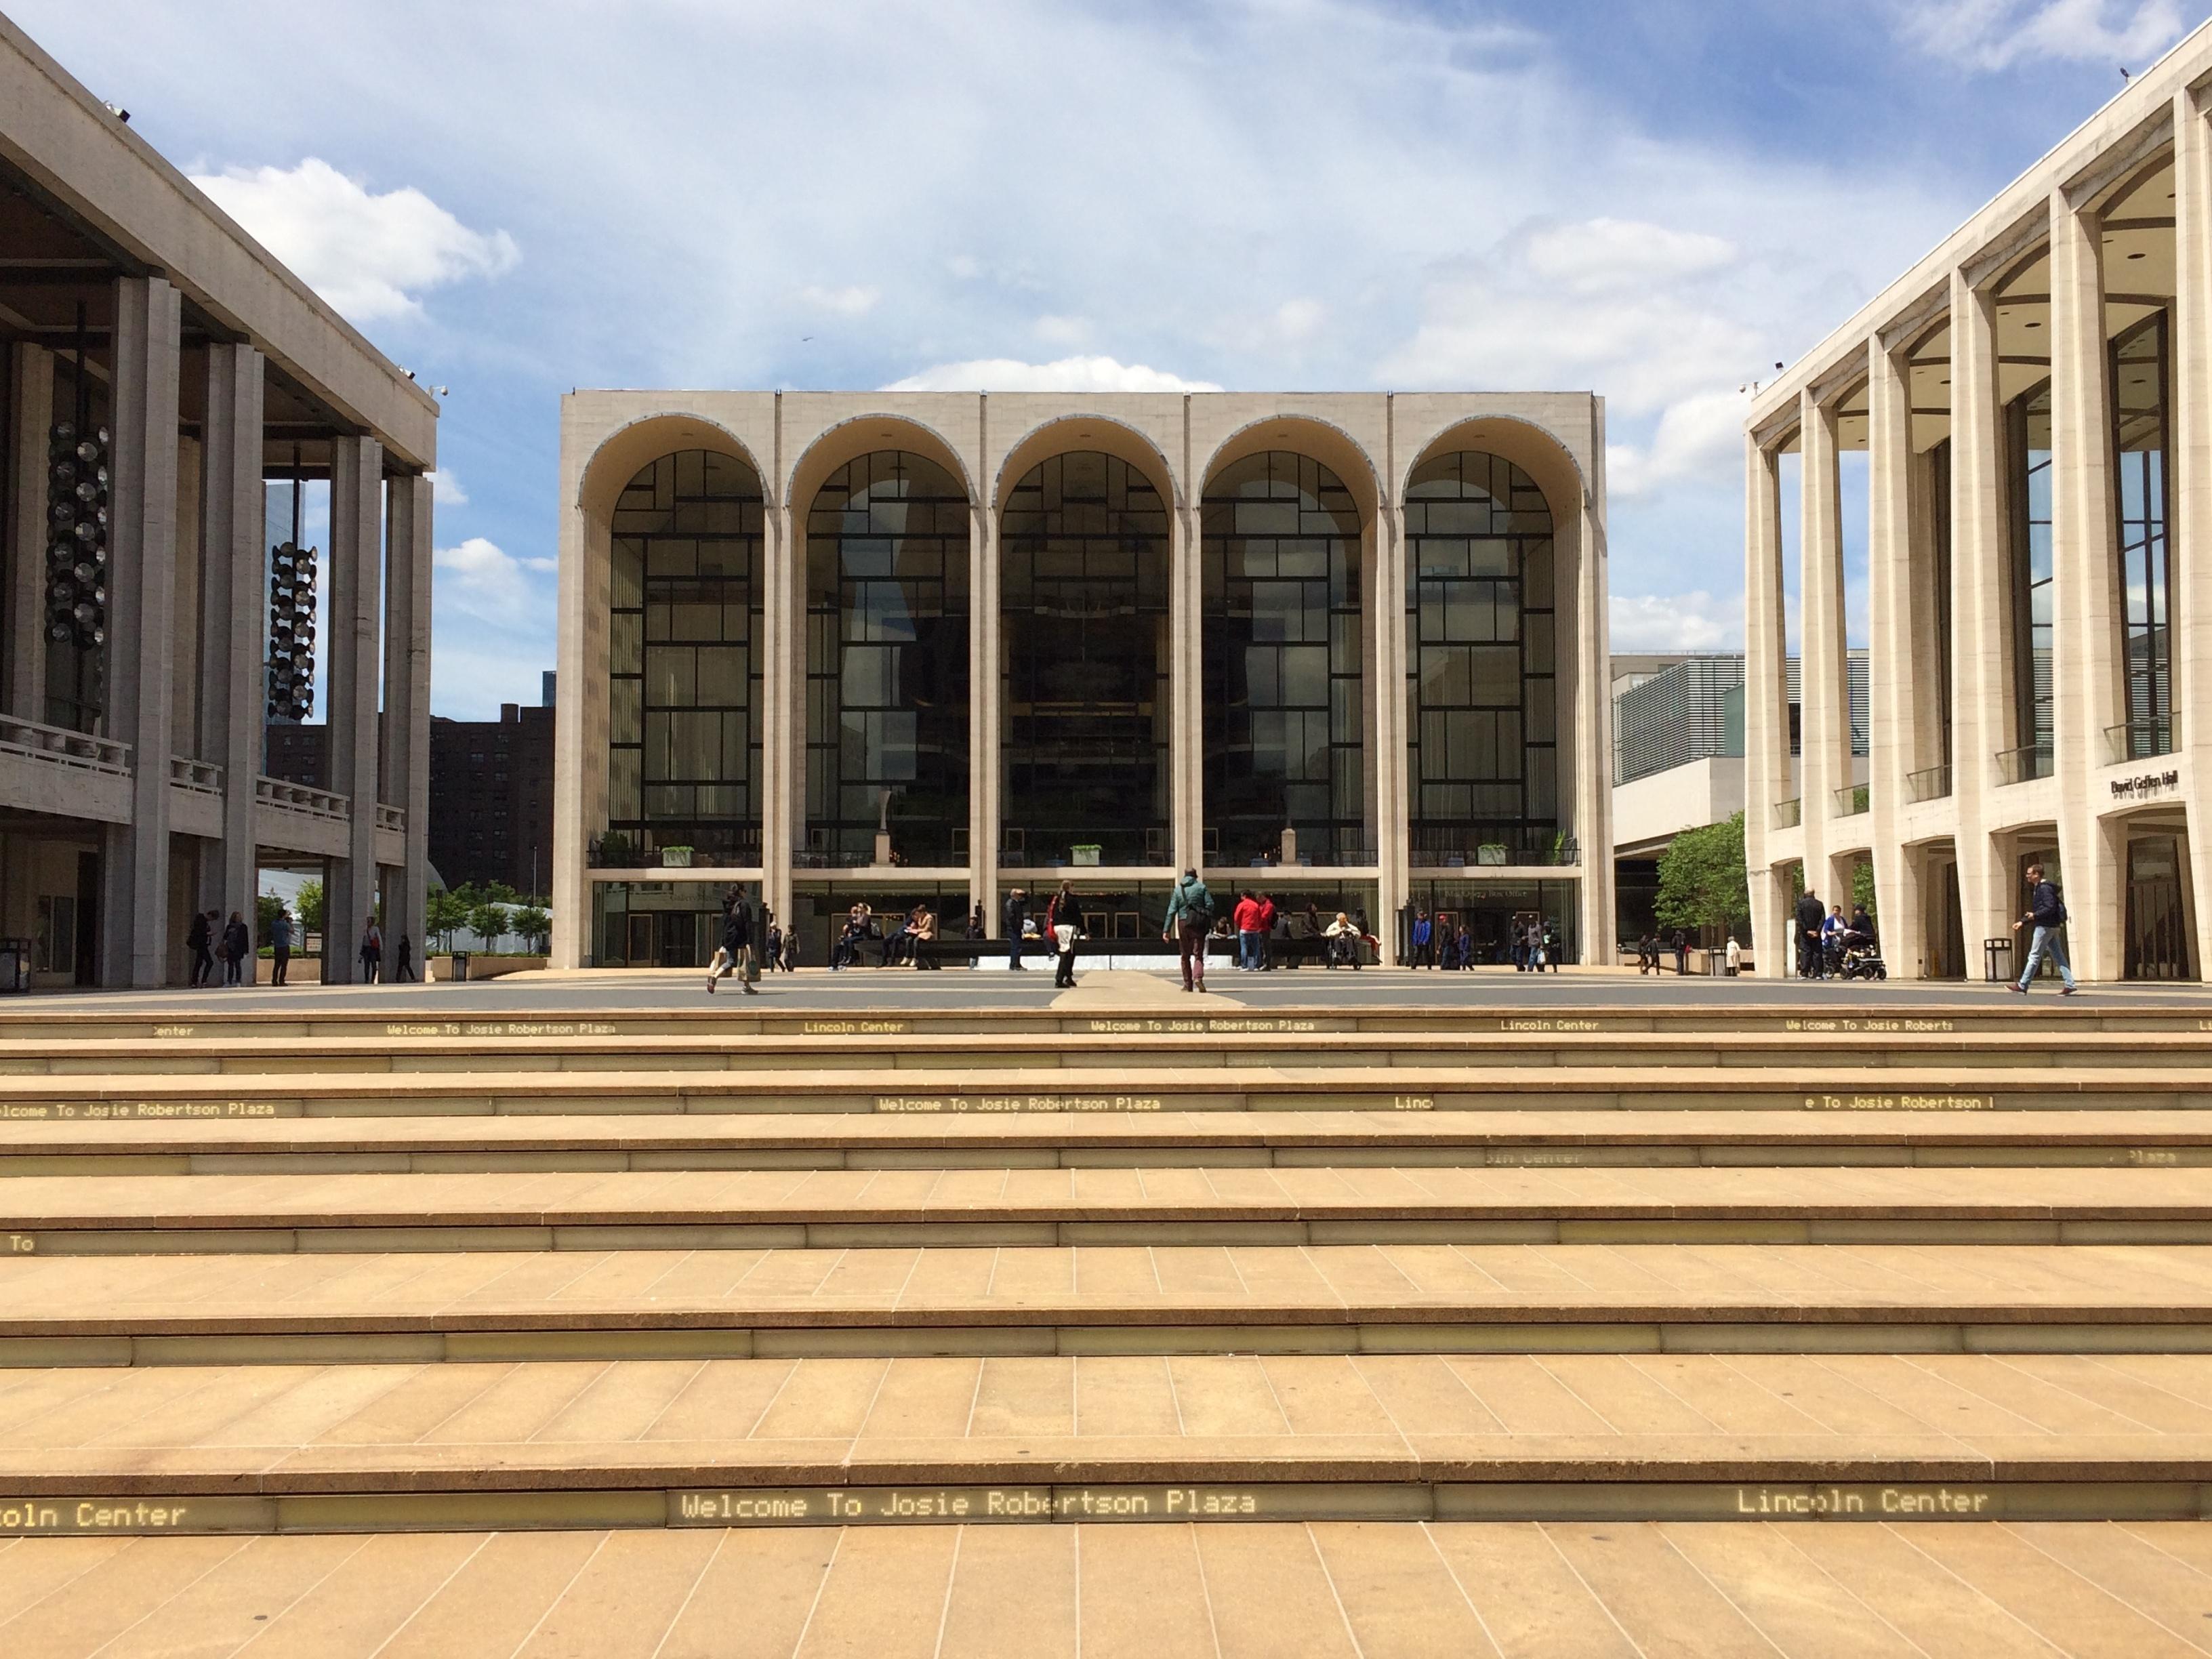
2046 913
280 946
372 950
1190 919
237 944
197 937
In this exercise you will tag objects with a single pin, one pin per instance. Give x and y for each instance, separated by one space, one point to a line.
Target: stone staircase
1408 1331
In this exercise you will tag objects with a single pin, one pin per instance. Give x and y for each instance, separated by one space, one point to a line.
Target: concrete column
1824 686
1980 624
1765 708
31 408
2086 578
2192 493
1586 721
233 617
142 566
1386 601
1187 682
404 763
349 632
781 689
985 703
1893 718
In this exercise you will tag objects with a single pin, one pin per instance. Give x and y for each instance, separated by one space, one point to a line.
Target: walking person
1190 918
1682 953
237 941
1734 957
1063 921
196 940
736 950
372 950
1017 915
280 946
1419 937
1551 945
1267 934
1811 916
403 969
2046 915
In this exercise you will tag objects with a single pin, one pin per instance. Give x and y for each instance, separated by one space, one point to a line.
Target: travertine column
141 553
1824 686
1584 723
404 765
1981 687
1765 708
2085 578
2192 495
579 728
349 630
1186 682
782 627
1386 599
1892 719
32 411
234 615
985 649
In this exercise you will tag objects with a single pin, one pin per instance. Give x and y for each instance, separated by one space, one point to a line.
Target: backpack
1197 910
2058 908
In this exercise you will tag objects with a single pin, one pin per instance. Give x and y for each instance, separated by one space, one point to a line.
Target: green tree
1701 879
489 922
533 923
500 893
309 905
1862 890
266 910
442 913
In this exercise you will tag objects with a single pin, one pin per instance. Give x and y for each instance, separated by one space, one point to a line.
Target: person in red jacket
1267 934
1250 932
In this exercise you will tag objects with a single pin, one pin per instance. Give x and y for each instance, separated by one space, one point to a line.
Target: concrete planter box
485 967
676 858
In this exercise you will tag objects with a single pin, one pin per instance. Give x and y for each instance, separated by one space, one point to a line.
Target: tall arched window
1282 661
1481 662
1084 603
887 679
683 659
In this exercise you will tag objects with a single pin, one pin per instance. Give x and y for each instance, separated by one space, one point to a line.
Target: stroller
1854 954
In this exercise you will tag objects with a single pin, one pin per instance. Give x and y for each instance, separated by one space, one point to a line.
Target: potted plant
1491 852
1085 854
612 850
676 858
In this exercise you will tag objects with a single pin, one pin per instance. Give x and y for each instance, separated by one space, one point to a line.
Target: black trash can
1998 955
460 967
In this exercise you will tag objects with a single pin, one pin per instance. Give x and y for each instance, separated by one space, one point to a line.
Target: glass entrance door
2158 932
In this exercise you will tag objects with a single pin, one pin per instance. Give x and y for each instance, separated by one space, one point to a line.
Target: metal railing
1789 814
2144 739
299 798
2024 764
203 777
62 747
1543 850
1852 801
1931 784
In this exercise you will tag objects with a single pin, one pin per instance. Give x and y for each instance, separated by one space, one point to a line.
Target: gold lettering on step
1900 1103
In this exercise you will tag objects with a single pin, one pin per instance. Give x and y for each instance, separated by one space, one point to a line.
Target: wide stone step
1394 1298
720 1443
1554 1139
1609 1589
1008 1092
401 1048
845 1209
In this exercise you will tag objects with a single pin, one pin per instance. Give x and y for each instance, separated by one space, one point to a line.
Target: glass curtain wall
2140 368
2027 428
683 662
1481 664
1282 662
1084 601
887 682
1939 481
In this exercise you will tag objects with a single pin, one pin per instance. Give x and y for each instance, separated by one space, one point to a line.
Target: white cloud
1996 34
370 255
1068 374
1698 621
1061 331
446 488
483 578
1600 254
1700 437
853 301
1300 319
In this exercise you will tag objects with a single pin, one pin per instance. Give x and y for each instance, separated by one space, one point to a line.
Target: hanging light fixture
292 618
77 521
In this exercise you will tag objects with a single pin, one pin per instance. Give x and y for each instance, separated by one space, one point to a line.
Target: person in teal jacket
1190 918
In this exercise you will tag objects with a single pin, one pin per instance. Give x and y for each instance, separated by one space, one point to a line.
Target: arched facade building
931 647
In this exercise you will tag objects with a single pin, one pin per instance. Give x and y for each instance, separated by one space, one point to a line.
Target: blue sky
1656 200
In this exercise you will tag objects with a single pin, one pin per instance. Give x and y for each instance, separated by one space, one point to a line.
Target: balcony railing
1932 784
203 777
2141 739
390 818
1850 802
2023 765
1789 814
299 798
60 746
1542 850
